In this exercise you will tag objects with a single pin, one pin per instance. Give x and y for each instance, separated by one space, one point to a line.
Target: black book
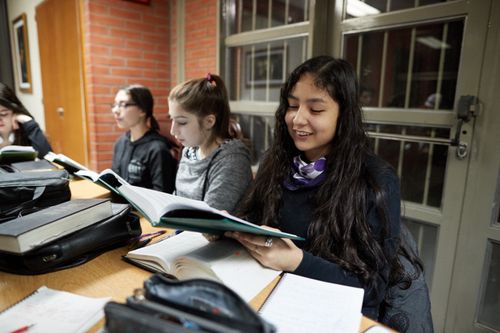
34 230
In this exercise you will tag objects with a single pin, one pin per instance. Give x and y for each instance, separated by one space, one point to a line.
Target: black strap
37 193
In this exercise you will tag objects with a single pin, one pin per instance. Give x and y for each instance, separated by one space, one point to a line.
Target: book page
50 310
300 304
165 252
226 261
88 174
190 255
154 204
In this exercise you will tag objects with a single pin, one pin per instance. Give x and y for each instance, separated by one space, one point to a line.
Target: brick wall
126 43
200 37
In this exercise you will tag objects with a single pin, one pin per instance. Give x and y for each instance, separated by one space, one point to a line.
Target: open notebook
299 304
54 311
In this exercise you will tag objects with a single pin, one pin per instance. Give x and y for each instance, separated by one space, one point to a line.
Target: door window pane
411 67
371 64
260 131
420 165
358 8
250 15
489 306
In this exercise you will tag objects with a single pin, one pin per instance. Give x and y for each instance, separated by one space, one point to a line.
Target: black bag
25 192
199 305
78 247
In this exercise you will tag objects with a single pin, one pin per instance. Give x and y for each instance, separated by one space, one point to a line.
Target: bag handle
37 193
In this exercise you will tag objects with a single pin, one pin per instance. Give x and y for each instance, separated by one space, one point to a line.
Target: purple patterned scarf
306 174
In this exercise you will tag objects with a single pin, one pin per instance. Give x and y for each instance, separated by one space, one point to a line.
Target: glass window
489 306
250 15
359 8
259 70
420 65
255 65
260 130
420 165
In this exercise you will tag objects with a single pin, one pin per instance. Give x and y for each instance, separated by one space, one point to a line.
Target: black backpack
25 192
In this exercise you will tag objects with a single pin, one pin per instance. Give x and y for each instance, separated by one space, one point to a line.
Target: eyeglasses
121 105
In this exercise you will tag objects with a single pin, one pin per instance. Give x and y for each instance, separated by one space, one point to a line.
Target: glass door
474 303
417 61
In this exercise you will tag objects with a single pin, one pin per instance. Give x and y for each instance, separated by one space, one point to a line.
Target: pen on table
22 329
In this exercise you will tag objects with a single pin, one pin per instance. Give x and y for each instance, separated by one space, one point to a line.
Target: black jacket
295 217
33 136
146 162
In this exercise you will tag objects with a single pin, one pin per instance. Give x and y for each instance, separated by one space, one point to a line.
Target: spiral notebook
55 311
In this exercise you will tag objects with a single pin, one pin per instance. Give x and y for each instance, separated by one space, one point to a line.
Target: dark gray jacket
146 162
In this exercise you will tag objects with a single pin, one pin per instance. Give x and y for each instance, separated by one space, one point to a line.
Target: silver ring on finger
269 242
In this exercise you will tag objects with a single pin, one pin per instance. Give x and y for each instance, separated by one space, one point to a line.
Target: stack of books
37 229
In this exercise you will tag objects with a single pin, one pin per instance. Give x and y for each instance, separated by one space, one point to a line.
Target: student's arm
35 136
163 168
228 179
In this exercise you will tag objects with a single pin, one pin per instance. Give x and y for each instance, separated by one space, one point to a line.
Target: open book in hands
171 211
189 255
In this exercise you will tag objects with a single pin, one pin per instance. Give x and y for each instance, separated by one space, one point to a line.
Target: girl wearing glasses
17 126
214 167
141 155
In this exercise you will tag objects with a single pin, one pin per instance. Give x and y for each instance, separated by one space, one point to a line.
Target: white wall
32 101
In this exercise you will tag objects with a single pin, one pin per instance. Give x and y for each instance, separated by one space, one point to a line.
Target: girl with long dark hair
321 180
17 126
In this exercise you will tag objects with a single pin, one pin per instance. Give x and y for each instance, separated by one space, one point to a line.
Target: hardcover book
14 153
171 211
190 255
67 163
31 231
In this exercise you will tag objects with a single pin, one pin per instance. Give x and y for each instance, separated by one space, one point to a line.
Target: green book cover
174 212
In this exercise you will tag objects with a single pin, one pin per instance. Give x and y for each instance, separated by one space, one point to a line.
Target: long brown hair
339 230
203 97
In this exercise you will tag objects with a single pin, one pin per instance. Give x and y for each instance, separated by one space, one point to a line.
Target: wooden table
105 276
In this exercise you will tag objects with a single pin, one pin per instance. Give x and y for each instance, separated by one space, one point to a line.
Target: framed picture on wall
264 61
22 53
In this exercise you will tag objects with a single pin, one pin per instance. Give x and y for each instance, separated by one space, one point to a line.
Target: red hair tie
210 79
